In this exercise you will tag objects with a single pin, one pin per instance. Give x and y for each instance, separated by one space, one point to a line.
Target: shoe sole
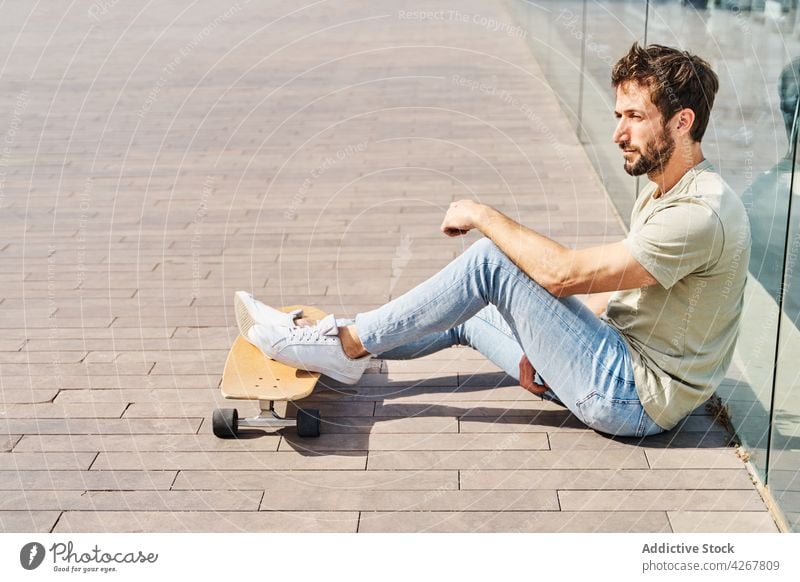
349 380
244 319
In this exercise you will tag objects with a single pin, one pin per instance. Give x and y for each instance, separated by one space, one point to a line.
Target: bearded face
642 132
649 157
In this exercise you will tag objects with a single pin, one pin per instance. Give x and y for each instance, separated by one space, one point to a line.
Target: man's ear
684 119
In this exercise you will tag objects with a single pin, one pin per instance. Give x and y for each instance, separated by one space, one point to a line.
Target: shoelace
324 331
310 334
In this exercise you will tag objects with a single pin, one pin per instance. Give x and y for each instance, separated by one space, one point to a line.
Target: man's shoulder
708 183
710 189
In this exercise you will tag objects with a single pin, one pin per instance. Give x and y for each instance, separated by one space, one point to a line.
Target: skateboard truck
226 422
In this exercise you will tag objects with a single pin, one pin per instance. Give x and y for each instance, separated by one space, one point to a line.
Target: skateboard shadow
358 419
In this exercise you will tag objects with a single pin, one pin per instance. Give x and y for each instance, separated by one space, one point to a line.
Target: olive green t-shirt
695 241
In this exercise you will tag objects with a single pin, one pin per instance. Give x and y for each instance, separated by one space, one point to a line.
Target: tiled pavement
154 160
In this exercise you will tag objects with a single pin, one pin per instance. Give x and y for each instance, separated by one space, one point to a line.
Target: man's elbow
559 290
560 275
558 284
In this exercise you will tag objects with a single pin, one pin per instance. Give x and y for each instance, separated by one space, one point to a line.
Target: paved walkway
153 162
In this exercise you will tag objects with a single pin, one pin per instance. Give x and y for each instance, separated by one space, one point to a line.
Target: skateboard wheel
225 423
308 422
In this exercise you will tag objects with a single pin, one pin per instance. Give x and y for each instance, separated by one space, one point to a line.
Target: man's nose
620 132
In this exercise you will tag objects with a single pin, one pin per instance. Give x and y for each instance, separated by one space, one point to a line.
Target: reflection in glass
767 202
784 453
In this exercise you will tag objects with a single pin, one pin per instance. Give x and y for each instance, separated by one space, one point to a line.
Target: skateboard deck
250 375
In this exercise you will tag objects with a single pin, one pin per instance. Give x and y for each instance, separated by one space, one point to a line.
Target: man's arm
560 270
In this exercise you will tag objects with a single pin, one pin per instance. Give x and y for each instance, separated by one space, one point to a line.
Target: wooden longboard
250 375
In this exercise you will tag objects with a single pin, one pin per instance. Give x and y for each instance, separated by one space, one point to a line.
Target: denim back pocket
614 416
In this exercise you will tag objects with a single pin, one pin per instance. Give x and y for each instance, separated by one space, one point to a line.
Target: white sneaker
250 311
315 348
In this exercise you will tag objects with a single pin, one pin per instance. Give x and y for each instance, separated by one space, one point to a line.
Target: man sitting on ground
658 332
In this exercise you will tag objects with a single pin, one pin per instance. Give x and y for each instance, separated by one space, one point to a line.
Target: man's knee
485 248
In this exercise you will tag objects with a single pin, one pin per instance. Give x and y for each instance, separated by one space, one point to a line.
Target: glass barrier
754 46
784 448
747 141
576 42
611 29
554 37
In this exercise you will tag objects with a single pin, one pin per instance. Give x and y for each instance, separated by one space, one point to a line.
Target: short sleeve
678 239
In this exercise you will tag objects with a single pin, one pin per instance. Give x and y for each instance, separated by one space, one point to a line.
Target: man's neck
681 162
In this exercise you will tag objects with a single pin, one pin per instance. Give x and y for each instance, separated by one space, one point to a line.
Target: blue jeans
483 300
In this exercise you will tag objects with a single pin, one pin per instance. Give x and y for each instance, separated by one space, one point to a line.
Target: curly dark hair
676 79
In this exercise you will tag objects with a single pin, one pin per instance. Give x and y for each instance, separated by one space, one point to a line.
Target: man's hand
461 217
527 373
